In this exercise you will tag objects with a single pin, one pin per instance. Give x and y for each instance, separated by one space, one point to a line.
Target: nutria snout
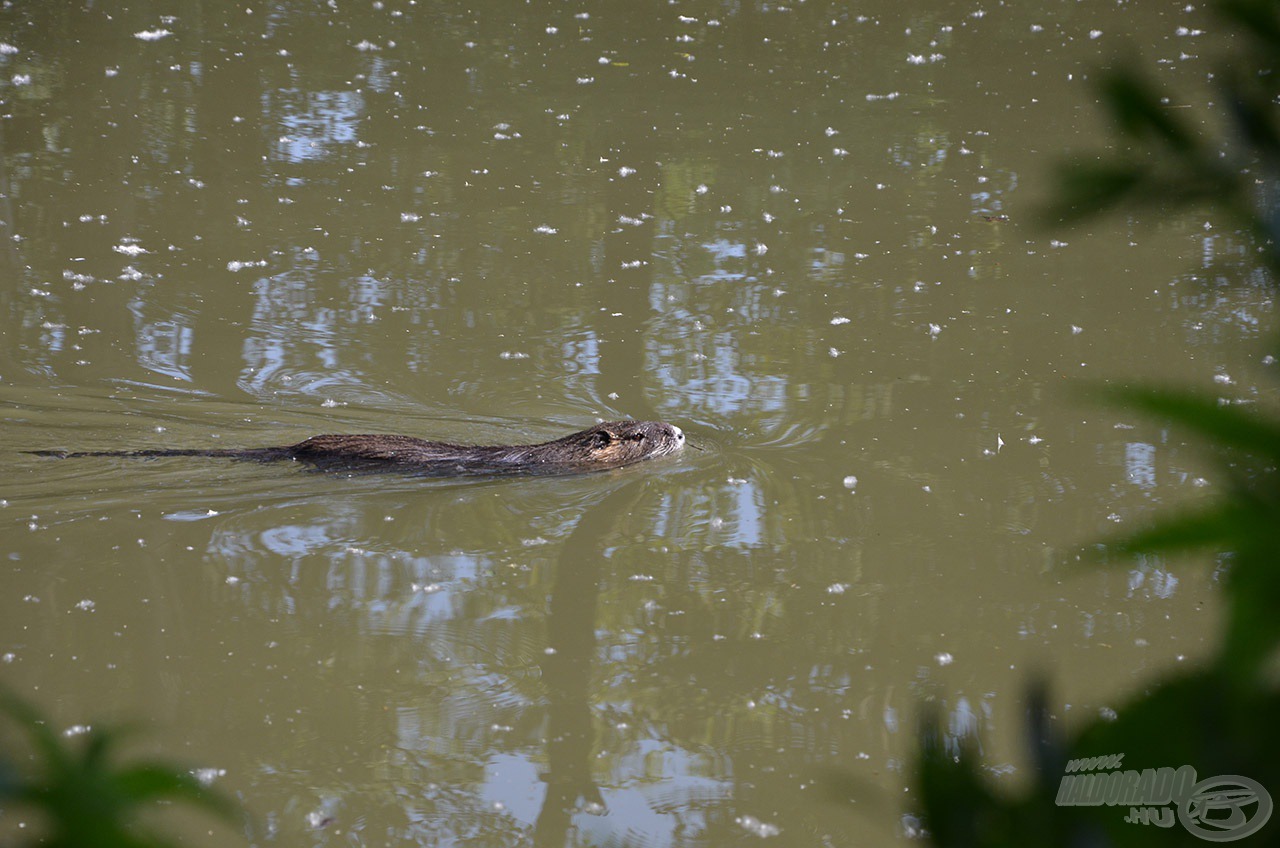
612 444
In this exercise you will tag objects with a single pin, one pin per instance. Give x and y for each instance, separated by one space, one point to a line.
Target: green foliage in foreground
1225 718
1221 719
85 799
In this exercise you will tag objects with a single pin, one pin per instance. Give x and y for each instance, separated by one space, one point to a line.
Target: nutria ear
604 437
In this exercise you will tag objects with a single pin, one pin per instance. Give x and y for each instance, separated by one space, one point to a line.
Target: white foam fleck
753 825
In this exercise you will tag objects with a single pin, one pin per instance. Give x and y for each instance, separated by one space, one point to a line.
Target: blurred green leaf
1220 719
1211 528
97 747
47 744
1089 187
1254 117
1139 112
88 801
1252 625
10 782
1223 424
154 781
1086 188
1258 18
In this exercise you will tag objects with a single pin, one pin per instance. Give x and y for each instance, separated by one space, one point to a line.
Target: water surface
804 233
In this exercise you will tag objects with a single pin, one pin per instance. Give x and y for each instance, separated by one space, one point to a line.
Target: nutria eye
637 437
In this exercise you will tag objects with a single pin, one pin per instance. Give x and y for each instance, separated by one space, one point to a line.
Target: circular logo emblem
1225 808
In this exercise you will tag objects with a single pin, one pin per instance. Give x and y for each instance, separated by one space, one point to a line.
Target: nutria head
613 444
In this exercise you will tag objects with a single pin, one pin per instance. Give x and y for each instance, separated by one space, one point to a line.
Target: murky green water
805 233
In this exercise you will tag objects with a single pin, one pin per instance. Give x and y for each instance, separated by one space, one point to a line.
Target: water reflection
164 346
1139 464
314 121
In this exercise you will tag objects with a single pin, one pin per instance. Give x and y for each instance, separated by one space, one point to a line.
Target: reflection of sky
734 511
368 291
283 317
702 366
723 249
399 591
663 800
263 357
745 530
1150 579
716 383
962 726
295 540
1139 464
164 346
53 336
379 76
514 782
584 352
314 120
295 338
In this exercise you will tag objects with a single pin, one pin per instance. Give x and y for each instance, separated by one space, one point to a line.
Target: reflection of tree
567 670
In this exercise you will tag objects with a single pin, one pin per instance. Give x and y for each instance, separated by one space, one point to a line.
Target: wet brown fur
612 444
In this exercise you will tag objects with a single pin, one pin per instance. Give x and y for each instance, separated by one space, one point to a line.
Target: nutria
612 444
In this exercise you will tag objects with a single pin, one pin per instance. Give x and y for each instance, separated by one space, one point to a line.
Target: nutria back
612 444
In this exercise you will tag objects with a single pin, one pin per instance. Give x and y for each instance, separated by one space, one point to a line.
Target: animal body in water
612 444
